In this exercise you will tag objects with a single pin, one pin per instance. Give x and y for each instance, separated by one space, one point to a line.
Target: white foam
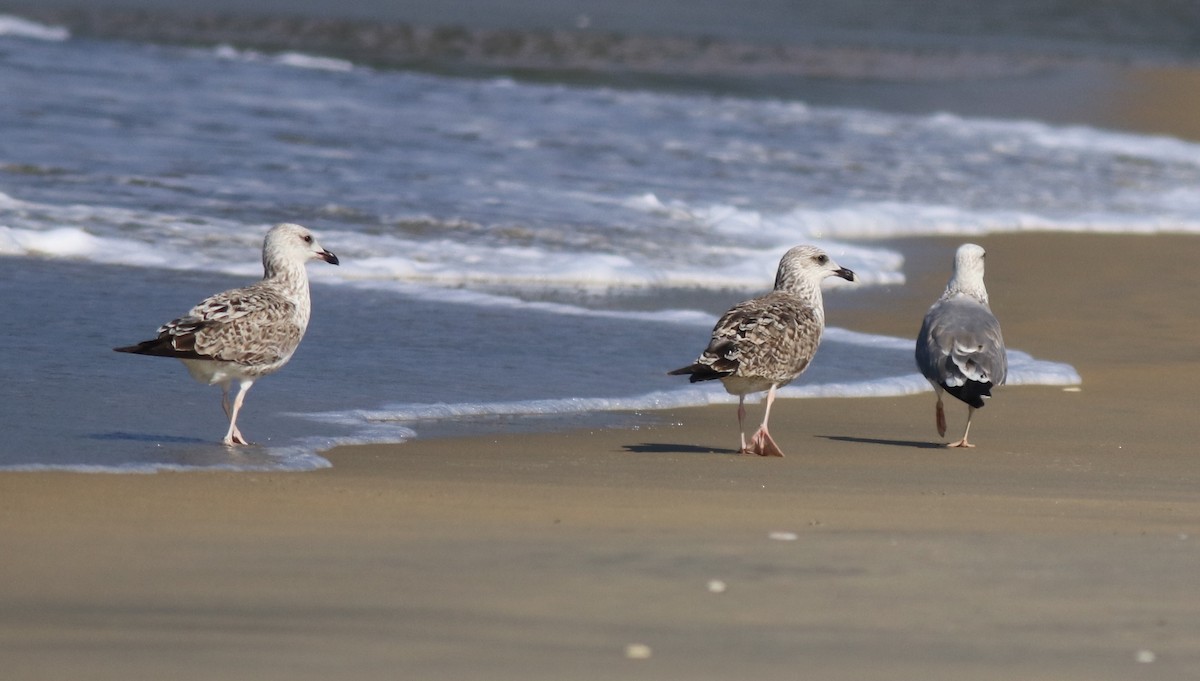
307 61
293 59
1073 138
212 255
63 242
17 27
461 296
890 219
884 379
184 242
158 240
73 243
455 263
298 458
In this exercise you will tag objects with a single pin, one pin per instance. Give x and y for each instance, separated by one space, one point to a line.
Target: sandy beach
1063 547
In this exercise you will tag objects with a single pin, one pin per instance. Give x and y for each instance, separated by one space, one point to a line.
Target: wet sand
1063 547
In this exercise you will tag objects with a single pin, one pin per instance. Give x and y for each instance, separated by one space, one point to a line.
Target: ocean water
516 253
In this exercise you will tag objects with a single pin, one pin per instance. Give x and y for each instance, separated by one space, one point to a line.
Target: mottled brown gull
960 348
246 333
764 343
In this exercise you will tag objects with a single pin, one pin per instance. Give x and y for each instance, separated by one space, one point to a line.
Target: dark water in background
1043 59
1164 28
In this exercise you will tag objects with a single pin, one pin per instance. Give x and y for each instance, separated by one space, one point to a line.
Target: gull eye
822 259
307 238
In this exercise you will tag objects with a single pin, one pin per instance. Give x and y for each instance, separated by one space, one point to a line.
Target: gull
246 333
764 343
959 348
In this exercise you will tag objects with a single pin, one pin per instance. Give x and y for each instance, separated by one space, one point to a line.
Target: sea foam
17 27
883 368
293 59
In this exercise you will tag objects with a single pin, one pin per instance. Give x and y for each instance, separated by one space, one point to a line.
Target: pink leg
762 444
963 442
741 418
941 417
234 436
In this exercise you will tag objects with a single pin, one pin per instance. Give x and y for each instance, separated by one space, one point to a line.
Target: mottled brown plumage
765 343
257 327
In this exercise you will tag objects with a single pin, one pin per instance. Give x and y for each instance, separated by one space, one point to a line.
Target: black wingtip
697 373
143 348
159 347
971 392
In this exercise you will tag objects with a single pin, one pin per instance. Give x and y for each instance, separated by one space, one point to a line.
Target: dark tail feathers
698 372
972 392
159 347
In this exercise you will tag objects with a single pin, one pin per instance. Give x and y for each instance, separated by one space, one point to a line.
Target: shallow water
515 254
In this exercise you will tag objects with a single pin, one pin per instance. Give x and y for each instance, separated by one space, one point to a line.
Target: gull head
968 274
292 243
968 264
804 267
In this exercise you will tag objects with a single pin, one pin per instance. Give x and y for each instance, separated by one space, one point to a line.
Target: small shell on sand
638 651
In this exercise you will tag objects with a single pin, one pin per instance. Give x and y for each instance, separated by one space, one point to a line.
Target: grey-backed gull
246 333
960 348
764 343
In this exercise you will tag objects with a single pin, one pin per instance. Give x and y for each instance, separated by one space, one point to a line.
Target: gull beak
845 274
328 257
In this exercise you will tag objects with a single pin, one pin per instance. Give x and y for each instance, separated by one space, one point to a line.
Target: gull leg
741 418
963 442
941 416
234 436
762 444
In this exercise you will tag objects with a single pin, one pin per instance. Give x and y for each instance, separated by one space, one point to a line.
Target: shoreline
1062 547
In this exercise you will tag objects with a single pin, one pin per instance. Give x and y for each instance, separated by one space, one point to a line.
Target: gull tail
717 361
971 392
159 347
698 372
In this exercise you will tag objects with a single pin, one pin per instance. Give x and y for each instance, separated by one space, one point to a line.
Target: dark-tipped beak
329 257
845 274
